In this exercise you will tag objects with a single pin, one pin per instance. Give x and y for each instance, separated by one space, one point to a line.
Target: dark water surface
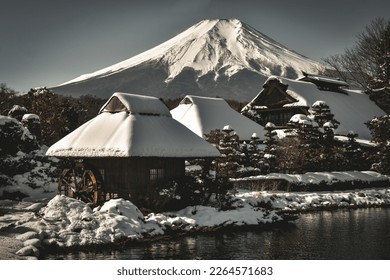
341 234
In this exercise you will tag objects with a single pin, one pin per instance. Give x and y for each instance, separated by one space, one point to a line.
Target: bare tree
368 62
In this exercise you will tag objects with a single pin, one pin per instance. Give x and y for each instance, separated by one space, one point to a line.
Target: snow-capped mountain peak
214 50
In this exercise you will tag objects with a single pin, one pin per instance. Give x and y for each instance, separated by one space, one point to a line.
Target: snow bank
315 180
66 222
290 201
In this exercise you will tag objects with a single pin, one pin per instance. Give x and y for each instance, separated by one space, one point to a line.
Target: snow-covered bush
17 112
24 168
14 137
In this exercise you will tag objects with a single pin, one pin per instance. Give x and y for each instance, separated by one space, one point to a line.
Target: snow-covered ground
317 178
27 227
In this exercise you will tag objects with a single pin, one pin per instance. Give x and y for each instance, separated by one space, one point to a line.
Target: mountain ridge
219 57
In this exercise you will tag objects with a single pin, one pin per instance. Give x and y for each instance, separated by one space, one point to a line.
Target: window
156 174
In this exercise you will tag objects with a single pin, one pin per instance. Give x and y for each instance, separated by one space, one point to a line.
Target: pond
342 234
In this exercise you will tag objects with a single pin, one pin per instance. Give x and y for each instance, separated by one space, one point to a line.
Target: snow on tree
380 131
226 141
353 152
304 127
14 137
252 113
245 155
322 114
328 134
256 154
33 124
303 150
229 149
17 112
270 146
23 165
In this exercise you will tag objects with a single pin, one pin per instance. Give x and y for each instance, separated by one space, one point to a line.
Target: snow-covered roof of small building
135 104
204 114
334 82
130 125
352 109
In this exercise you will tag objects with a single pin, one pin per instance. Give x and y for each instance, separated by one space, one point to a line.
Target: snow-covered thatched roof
351 108
130 125
203 114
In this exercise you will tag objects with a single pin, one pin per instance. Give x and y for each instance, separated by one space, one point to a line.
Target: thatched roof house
282 98
203 114
132 143
131 125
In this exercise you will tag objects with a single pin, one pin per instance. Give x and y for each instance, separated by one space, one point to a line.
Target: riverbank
66 224
313 181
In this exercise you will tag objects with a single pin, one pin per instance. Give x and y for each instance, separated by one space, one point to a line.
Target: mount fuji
225 58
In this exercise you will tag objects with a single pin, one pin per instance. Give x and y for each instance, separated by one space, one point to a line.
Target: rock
33 242
28 251
27 235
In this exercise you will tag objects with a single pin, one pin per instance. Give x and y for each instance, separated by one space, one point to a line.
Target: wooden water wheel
82 182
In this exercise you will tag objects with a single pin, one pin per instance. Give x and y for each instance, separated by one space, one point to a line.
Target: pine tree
14 137
227 142
328 134
251 113
308 138
380 131
245 155
353 152
270 147
256 154
329 157
228 147
321 114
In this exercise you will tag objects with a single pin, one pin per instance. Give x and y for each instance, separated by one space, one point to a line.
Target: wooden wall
132 175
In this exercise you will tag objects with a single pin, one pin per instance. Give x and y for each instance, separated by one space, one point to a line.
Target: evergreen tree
329 155
256 154
322 114
227 142
380 131
308 139
229 149
270 147
353 152
328 134
245 155
17 112
14 137
251 113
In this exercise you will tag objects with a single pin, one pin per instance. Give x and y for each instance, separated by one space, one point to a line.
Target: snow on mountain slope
225 58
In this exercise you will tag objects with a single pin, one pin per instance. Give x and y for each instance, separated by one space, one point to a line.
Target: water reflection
343 234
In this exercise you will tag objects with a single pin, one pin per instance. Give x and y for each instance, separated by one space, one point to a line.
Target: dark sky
48 42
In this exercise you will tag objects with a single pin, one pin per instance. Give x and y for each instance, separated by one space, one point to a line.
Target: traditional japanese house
273 102
132 144
325 83
204 114
282 98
